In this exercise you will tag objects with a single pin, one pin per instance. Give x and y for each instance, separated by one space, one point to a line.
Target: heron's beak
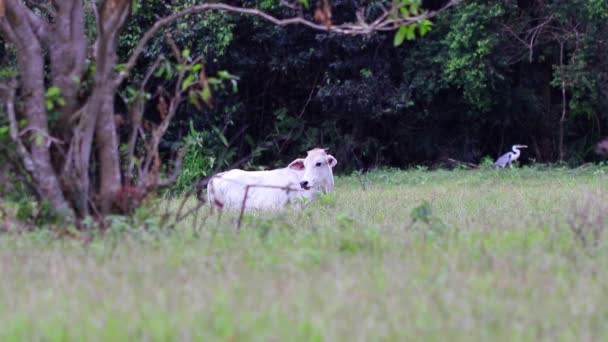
523 146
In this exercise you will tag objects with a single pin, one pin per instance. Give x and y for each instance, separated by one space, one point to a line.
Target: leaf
400 36
159 72
305 3
323 13
410 32
186 53
188 81
193 98
414 8
4 129
425 27
423 30
206 95
49 105
39 140
61 101
53 92
135 6
220 135
214 80
235 87
224 74
168 70
197 67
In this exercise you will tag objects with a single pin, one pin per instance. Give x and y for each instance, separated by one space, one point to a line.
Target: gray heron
509 157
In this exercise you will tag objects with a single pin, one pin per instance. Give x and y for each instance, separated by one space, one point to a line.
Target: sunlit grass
497 260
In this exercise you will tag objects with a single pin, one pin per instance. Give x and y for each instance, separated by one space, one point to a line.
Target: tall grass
394 255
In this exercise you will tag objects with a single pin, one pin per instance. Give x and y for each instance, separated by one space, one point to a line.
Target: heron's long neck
516 151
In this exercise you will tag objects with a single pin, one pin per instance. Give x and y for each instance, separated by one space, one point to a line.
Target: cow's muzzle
304 185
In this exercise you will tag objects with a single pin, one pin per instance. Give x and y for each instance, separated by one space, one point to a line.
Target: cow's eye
318 164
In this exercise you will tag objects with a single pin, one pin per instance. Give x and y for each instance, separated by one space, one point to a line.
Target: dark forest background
490 74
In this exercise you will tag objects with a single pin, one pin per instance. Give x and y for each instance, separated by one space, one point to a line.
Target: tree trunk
31 71
562 120
68 54
113 15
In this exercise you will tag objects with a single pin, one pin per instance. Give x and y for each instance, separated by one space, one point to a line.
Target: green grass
491 257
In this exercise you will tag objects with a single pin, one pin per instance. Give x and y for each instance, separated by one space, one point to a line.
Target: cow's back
227 189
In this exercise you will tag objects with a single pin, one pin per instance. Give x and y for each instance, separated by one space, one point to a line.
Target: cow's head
317 170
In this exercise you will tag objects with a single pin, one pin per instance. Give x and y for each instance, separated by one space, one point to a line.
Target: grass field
488 255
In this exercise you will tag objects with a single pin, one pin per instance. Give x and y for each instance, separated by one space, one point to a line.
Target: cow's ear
331 161
297 164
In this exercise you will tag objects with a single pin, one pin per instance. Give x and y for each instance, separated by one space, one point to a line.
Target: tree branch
9 103
39 25
136 118
383 23
68 54
113 15
6 31
177 168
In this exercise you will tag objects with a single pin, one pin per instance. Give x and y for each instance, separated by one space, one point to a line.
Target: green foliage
487 162
463 90
328 200
407 9
209 34
38 214
207 153
472 53
8 72
53 98
432 225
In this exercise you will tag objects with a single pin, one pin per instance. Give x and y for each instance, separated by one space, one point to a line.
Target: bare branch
9 99
6 31
39 25
530 41
68 53
177 168
245 197
151 178
136 117
562 119
383 23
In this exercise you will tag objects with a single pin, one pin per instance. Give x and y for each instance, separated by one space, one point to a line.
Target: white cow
299 182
